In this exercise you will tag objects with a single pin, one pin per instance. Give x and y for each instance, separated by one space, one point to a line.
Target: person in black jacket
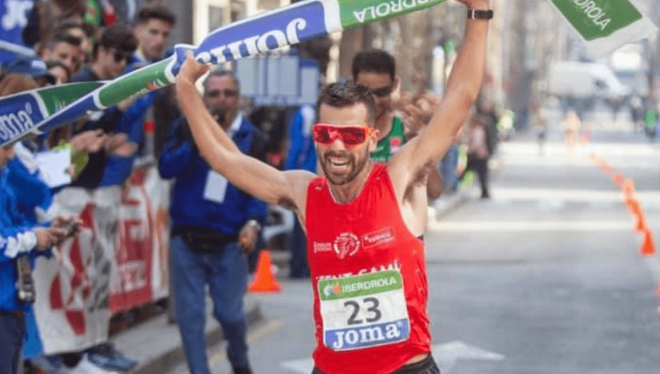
110 56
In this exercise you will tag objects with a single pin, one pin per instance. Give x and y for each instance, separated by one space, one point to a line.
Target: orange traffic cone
634 207
618 179
264 280
648 246
605 166
628 188
640 227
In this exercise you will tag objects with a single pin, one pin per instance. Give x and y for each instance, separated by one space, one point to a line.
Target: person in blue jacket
214 226
20 243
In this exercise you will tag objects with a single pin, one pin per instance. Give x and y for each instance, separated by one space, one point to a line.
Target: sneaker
85 366
107 357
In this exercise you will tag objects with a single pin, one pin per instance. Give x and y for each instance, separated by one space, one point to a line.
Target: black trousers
426 366
480 165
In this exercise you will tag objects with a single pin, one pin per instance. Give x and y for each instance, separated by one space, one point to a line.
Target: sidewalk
156 344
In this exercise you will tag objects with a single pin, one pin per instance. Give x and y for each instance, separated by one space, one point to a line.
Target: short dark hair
119 37
373 61
342 95
63 38
157 11
67 24
221 72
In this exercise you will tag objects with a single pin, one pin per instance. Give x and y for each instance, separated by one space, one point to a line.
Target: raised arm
247 173
462 90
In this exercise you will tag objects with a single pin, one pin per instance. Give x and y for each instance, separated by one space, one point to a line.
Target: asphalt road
543 278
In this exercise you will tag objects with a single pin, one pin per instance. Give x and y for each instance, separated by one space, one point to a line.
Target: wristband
480 14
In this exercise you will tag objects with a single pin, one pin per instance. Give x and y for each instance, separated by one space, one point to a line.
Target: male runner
363 220
376 69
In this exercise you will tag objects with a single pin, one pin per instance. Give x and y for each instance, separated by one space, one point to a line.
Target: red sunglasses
349 135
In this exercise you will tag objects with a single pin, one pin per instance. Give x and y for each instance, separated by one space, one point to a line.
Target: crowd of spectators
73 41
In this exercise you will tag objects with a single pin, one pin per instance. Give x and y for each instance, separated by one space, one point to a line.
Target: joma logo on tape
256 44
14 124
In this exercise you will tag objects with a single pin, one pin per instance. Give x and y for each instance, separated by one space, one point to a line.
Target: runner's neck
347 193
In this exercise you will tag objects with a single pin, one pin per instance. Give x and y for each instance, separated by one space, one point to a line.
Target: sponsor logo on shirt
322 247
346 244
382 236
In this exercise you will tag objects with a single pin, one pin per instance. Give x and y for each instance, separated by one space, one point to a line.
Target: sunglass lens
321 134
353 136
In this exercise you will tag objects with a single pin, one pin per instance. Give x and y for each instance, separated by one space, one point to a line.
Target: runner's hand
191 70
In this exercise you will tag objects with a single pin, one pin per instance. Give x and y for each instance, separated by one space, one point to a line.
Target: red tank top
369 280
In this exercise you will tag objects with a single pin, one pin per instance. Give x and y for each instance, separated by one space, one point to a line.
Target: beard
355 166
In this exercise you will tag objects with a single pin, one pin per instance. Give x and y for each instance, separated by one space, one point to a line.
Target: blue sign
13 19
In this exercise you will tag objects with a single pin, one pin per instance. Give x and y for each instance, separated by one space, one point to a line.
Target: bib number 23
372 308
364 311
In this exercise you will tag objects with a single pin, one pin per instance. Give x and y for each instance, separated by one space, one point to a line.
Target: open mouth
338 162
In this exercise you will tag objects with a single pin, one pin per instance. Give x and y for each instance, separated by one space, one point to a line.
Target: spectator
110 55
78 29
152 29
44 16
478 154
488 114
301 155
213 225
65 49
20 242
17 241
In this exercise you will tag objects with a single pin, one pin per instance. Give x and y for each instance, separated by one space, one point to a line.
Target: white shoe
87 367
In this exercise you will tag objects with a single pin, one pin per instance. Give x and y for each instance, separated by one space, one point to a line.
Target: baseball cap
30 66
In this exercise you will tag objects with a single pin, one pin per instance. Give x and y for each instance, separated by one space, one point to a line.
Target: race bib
364 311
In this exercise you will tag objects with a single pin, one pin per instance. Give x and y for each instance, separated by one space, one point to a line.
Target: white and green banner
606 25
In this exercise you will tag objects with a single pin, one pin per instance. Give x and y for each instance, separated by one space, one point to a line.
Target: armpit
287 203
420 179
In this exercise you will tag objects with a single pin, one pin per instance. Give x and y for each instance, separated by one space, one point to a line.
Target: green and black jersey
391 143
